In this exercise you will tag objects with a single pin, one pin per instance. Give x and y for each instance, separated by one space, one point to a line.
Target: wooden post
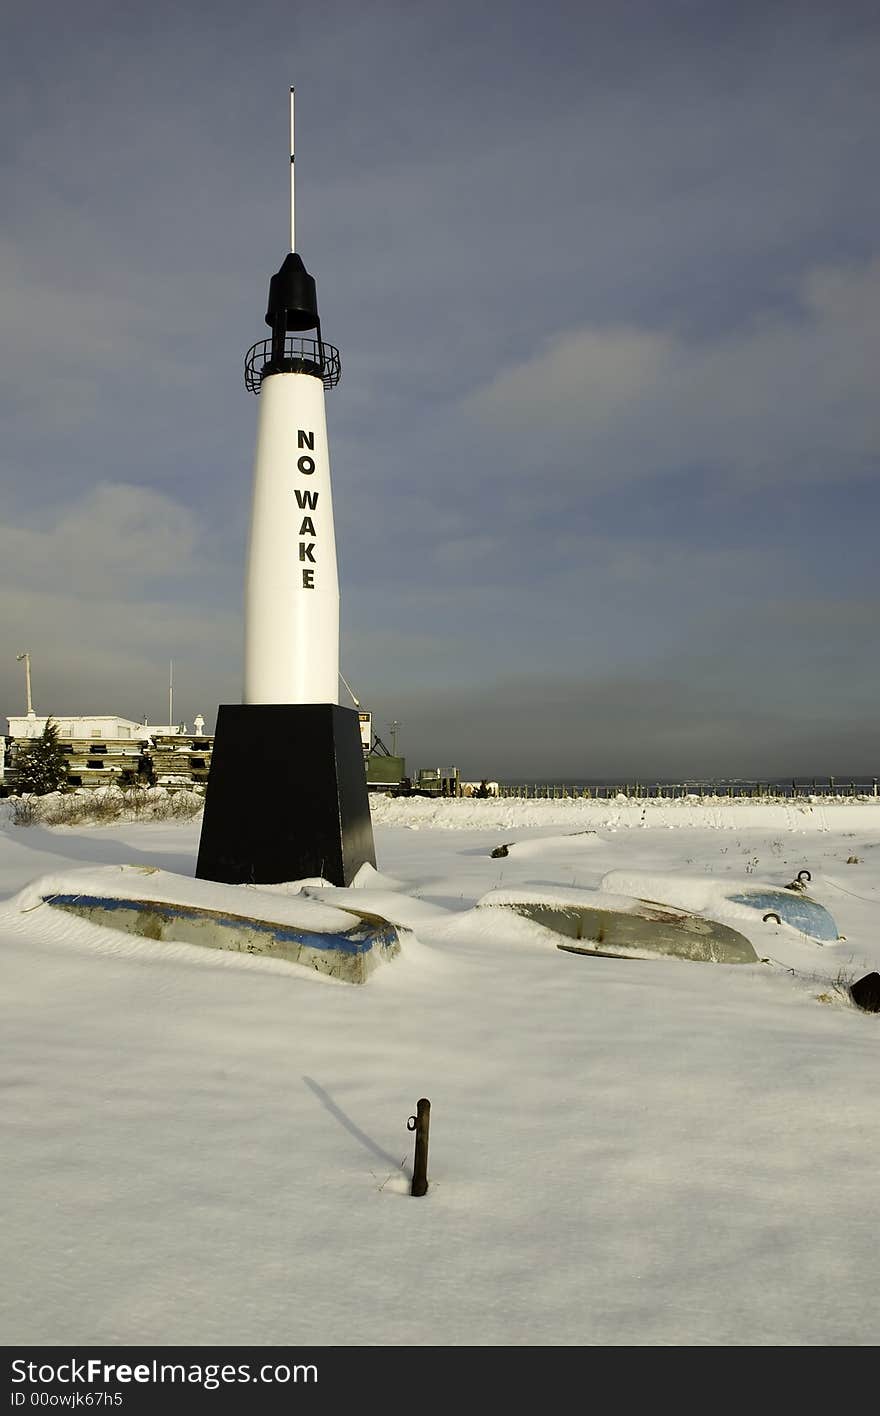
420 1123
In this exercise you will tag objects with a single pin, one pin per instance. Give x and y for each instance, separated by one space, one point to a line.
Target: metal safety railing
773 790
301 356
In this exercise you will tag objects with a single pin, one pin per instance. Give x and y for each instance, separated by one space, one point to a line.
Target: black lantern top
293 306
293 298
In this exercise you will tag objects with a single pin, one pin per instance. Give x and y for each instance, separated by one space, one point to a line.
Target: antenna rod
292 184
170 692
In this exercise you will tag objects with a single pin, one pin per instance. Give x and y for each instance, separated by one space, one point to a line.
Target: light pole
27 678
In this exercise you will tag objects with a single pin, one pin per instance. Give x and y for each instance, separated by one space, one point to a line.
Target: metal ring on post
420 1123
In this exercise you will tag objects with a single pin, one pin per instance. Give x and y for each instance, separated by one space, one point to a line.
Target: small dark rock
865 992
498 852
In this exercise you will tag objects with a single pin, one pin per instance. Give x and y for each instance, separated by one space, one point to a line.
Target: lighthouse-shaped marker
287 795
292 589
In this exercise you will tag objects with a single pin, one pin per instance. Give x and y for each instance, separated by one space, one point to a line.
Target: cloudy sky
606 281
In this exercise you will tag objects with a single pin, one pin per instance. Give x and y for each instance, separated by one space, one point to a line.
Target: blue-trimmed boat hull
348 954
799 911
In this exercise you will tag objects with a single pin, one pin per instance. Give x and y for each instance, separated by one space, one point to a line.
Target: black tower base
287 796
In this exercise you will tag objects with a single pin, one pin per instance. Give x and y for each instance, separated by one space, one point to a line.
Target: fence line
771 791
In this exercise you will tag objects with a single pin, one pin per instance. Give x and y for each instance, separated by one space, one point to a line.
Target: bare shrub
104 805
837 989
176 805
135 799
25 811
82 808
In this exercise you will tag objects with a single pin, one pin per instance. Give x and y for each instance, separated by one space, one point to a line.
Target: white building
96 728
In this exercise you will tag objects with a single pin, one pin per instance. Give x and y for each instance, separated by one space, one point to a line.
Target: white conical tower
291 586
287 792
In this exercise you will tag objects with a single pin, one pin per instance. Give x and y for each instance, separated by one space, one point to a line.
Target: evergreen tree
41 767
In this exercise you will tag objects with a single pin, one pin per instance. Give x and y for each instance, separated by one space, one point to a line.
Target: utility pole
170 693
27 678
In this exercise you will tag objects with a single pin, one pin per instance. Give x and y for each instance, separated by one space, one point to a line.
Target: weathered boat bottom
351 954
652 929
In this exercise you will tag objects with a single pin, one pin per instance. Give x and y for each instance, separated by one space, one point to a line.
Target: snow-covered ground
203 1148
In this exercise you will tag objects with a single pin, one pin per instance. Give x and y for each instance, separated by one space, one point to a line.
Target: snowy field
203 1148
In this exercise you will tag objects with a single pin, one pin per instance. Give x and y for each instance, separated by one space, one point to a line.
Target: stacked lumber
179 761
94 762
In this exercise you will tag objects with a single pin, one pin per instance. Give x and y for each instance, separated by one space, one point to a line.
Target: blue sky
606 282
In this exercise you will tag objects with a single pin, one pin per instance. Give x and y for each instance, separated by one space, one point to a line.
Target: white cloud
788 397
608 367
112 542
102 594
